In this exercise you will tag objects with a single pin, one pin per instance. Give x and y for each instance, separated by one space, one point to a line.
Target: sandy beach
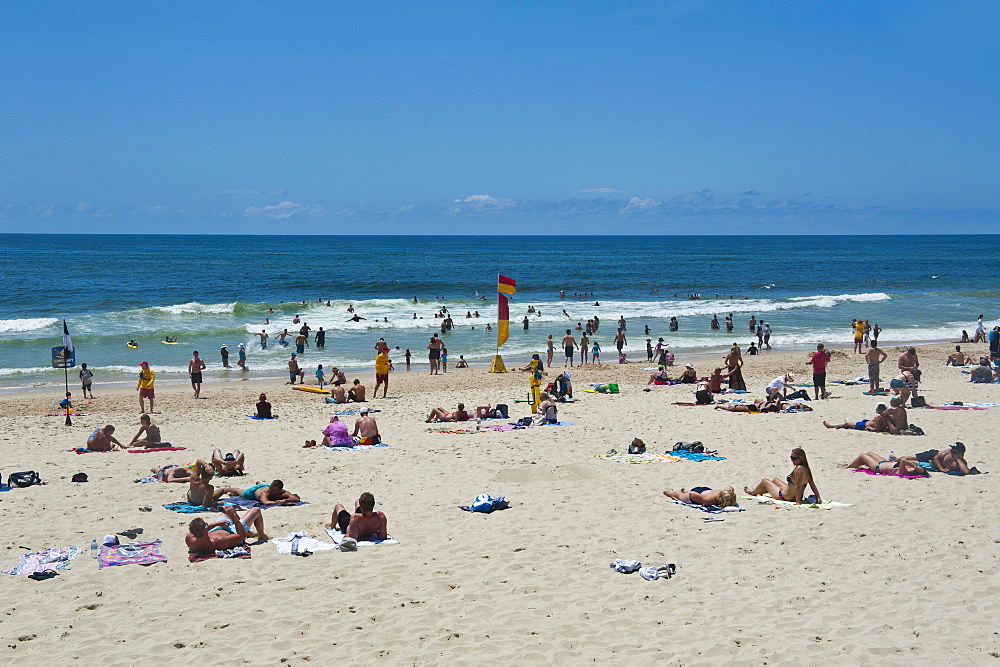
907 572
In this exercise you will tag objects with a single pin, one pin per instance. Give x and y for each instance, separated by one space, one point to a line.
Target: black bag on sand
637 447
918 402
23 479
501 408
695 446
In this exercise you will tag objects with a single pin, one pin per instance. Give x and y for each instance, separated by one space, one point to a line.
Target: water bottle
478 424
892 456
93 548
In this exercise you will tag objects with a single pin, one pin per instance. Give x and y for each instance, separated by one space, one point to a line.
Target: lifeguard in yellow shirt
145 386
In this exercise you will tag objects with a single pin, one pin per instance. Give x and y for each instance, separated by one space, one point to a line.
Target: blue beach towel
259 418
345 448
711 509
486 503
186 508
694 456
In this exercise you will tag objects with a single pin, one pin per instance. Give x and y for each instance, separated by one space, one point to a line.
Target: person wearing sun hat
689 376
778 386
145 386
225 356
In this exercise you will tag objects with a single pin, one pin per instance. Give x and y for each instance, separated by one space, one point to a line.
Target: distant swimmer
270 310
597 303
350 308
133 343
356 318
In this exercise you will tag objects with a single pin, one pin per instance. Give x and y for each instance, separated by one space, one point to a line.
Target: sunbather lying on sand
793 487
228 465
758 405
266 494
364 522
442 415
206 538
172 473
946 460
883 466
702 495
880 423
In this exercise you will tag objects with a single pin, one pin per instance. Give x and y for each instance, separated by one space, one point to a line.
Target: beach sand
909 572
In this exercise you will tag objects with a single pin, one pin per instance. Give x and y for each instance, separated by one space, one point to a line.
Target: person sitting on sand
364 523
947 460
983 372
715 380
442 415
547 411
202 492
357 393
152 432
689 376
659 377
102 440
228 465
885 466
337 394
958 358
461 363
263 408
880 423
204 539
266 494
366 430
897 413
334 435
704 496
793 487
776 389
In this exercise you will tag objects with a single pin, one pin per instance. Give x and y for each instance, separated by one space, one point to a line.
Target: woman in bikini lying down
883 466
704 496
758 405
793 487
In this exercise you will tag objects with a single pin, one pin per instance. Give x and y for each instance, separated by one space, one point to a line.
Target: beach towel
954 407
53 558
648 457
237 552
299 542
460 431
875 393
355 448
243 503
882 474
711 509
186 508
366 541
84 450
507 427
765 500
558 424
72 414
352 411
130 553
695 456
156 449
260 418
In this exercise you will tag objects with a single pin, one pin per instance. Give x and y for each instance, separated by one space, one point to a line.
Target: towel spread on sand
882 474
300 543
260 418
47 559
186 508
243 503
72 414
156 449
828 505
84 450
237 552
130 553
965 405
366 541
711 509
460 431
341 413
331 448
695 456
648 457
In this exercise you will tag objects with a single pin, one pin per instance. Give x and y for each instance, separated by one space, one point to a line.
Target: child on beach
319 375
595 354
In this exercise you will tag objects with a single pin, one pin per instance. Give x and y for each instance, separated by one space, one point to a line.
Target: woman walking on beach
793 487
550 350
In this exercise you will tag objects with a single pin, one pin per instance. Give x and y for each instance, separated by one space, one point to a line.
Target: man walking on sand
569 346
381 372
874 356
195 367
818 360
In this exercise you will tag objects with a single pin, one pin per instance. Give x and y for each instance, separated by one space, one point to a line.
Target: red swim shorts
146 393
379 377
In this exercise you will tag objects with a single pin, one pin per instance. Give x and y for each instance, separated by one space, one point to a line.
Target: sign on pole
62 359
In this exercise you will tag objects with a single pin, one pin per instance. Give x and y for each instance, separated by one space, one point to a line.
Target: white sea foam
27 324
195 308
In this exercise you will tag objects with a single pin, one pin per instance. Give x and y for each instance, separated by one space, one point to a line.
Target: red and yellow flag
505 286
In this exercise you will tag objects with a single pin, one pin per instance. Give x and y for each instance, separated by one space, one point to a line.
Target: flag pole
69 421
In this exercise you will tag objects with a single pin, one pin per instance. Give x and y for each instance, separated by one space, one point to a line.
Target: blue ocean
210 290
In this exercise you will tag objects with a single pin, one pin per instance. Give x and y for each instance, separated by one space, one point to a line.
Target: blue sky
473 117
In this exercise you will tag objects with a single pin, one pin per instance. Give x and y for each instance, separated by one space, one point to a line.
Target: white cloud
637 204
82 206
283 211
600 190
481 203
